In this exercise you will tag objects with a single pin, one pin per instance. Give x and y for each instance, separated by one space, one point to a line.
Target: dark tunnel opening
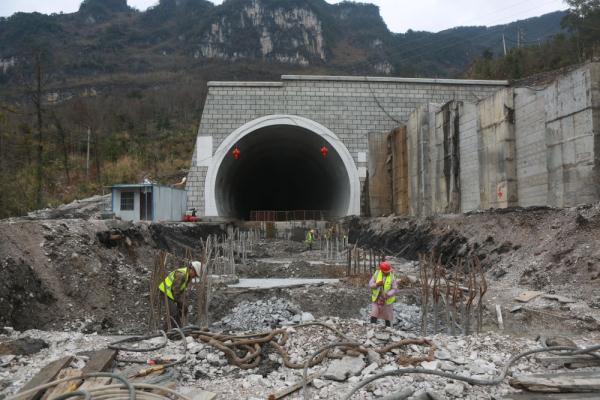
281 168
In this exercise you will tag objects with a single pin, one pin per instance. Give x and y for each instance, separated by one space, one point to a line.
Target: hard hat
197 265
385 266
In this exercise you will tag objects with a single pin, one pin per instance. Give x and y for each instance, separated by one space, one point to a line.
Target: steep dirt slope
544 249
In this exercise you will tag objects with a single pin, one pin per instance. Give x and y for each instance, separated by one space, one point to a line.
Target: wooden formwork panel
380 175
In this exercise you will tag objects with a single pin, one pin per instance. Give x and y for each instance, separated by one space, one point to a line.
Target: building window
127 201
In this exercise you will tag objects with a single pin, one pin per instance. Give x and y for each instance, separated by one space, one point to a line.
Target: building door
146 205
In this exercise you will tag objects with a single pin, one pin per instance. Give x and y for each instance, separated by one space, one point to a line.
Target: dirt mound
91 207
21 290
85 275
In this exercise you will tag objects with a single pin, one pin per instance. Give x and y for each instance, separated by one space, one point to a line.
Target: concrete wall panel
420 129
497 173
469 157
532 171
572 139
445 169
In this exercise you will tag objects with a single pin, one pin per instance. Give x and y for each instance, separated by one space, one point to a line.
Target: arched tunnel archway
281 168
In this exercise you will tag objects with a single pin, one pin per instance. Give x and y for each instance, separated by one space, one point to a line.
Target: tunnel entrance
281 168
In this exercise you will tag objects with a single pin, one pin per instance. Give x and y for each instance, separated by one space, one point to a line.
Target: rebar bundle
452 295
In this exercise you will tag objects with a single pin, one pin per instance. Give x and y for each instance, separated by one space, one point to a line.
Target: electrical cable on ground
566 351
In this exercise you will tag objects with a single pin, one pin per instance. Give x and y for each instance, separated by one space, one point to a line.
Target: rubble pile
263 314
407 316
482 357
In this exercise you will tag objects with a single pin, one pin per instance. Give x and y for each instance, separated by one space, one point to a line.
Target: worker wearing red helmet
383 294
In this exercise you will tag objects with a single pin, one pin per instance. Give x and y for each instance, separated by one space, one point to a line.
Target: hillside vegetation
130 85
581 42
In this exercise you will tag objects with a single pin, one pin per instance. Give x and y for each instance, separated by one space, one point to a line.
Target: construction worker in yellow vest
173 288
310 238
383 294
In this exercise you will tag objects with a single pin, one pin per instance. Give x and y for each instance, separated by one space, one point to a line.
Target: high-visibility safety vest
387 286
166 286
309 237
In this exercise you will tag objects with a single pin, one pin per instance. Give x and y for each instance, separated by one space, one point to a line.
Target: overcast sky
400 15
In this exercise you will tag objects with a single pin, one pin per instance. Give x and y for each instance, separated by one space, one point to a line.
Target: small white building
148 202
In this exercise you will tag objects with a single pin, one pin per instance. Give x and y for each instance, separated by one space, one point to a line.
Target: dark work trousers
176 312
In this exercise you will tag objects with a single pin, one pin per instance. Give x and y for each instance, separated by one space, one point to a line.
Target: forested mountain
108 37
127 87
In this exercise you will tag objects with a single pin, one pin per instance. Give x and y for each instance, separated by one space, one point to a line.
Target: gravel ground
481 356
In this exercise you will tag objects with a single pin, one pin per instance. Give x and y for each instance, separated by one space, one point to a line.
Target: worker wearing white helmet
174 287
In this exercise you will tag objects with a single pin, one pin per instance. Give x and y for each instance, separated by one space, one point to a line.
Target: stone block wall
350 107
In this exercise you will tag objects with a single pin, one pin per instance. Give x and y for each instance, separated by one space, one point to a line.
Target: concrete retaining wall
572 134
468 126
520 146
445 162
497 169
419 129
530 125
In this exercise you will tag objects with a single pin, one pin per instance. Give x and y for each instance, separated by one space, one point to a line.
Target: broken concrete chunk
202 395
442 355
318 383
373 356
527 296
306 317
383 336
371 368
560 299
340 370
455 389
431 365
401 395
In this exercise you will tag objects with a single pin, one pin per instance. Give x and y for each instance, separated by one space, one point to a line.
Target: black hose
114 345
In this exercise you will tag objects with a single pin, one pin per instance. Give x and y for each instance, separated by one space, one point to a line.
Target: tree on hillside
34 78
583 21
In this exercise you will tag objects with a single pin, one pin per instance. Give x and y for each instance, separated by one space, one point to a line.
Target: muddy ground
71 273
64 270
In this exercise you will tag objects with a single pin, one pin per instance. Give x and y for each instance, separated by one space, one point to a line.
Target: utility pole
520 37
504 44
40 143
87 158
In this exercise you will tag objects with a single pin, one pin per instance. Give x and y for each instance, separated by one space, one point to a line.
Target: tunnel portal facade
301 144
